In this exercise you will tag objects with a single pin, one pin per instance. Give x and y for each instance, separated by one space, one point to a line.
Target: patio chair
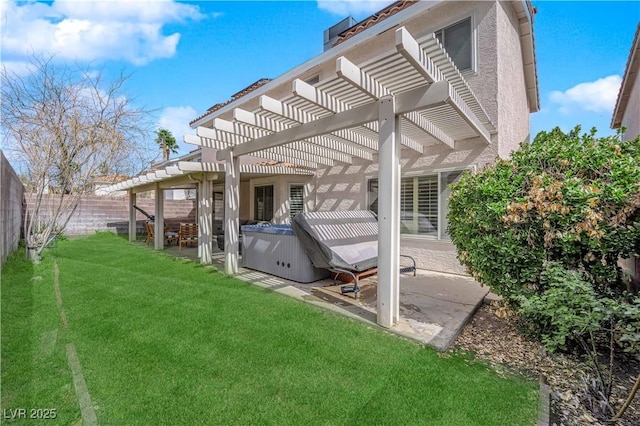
344 242
187 234
169 236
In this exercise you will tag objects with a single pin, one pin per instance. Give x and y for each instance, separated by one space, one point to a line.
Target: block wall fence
11 199
103 213
94 213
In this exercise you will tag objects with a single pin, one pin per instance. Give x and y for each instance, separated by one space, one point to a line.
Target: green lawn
166 341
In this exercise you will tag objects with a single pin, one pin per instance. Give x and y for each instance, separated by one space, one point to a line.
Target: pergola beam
269 126
368 85
359 79
300 155
412 100
347 137
219 135
271 155
409 48
282 155
197 166
204 142
319 150
428 127
238 128
467 115
351 118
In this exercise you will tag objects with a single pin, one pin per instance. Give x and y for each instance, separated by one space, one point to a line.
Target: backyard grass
166 341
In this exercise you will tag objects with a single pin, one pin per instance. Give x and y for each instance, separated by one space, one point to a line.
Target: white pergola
411 97
193 174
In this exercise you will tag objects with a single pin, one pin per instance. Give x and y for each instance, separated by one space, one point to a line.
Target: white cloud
17 67
88 30
352 7
176 120
596 96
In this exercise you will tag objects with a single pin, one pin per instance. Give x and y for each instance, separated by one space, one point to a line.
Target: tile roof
234 97
372 20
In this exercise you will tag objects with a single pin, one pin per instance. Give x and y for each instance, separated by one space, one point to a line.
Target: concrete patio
434 307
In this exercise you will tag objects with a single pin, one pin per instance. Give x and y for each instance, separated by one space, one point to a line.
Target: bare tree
65 125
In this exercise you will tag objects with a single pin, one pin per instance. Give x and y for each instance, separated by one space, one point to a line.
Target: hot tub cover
283 229
339 239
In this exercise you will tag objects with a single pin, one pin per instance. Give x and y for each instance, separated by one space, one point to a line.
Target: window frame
441 235
474 45
304 198
254 206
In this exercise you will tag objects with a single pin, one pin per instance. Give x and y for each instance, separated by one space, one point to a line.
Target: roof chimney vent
332 33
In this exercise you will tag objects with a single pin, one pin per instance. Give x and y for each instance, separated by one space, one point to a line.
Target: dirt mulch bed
493 337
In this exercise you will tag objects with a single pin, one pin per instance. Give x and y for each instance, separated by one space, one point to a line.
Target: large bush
566 198
547 229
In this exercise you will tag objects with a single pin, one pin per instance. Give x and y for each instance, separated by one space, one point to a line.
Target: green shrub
567 198
546 231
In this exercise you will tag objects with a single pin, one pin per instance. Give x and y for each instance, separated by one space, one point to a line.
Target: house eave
630 76
525 12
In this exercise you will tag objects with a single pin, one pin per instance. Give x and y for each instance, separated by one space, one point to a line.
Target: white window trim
304 198
474 41
414 174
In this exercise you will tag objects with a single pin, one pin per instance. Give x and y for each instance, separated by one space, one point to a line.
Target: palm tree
167 143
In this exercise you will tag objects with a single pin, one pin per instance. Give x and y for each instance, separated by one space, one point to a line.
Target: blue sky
188 56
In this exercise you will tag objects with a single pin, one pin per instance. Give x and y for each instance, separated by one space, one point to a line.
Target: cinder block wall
97 213
11 199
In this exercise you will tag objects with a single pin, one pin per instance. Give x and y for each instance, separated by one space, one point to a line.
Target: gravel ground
492 336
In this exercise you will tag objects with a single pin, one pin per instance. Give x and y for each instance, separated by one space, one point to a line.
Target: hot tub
275 250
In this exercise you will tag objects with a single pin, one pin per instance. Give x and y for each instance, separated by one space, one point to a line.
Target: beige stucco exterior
627 110
631 116
497 80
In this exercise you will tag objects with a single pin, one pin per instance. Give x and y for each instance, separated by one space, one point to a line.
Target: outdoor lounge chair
188 233
343 242
169 236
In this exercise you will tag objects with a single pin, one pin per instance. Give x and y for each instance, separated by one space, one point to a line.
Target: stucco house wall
631 117
513 108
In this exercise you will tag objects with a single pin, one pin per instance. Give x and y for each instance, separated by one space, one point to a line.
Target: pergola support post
132 217
388 214
159 218
231 213
205 220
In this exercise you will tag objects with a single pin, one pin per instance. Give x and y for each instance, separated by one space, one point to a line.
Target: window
423 203
263 203
457 41
296 200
